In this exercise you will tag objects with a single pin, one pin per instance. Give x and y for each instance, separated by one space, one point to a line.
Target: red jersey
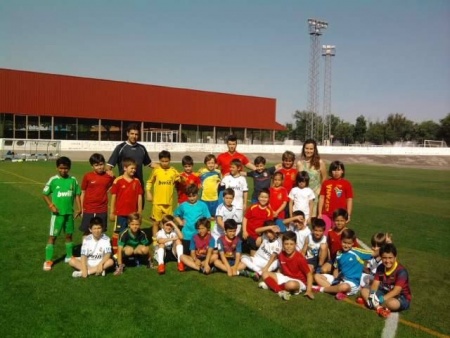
95 187
224 160
277 197
185 181
256 215
335 244
289 176
294 266
336 193
127 194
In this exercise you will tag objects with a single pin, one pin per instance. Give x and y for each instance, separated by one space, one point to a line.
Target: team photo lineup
291 234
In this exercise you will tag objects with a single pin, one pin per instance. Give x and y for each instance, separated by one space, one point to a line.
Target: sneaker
382 312
150 264
284 295
103 273
213 269
256 277
360 300
341 296
243 273
47 265
161 269
76 274
67 259
263 285
315 288
180 266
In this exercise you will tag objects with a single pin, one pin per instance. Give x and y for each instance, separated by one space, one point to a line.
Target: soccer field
413 204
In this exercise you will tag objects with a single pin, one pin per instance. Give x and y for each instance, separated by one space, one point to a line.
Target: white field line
20 183
20 176
390 326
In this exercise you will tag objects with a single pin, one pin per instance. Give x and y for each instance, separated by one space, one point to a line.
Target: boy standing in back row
64 190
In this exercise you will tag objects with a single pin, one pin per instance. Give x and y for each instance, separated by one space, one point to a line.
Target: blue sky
392 56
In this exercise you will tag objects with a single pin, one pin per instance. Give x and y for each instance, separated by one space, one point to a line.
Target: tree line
396 128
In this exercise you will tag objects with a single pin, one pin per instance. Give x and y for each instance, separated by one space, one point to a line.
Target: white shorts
92 263
283 279
256 263
353 287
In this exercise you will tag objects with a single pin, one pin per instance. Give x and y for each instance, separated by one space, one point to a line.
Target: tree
376 133
360 129
287 134
427 130
399 128
301 121
444 129
344 133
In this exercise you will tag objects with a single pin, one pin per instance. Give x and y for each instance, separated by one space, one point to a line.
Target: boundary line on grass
23 177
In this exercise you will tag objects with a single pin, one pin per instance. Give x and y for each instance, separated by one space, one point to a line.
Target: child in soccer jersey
133 244
170 247
299 227
262 176
60 193
160 188
335 192
278 196
265 258
302 197
254 218
94 193
225 210
289 172
202 244
377 241
230 250
315 247
340 218
187 177
349 264
126 198
239 184
95 252
294 275
188 213
210 178
390 289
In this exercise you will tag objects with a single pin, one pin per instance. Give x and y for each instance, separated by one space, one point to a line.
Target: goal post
434 144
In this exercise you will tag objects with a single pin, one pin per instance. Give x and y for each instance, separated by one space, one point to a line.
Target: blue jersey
351 263
191 213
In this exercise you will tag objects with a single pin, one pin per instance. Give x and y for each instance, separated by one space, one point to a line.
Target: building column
180 130
214 134
99 137
26 127
245 135
39 127
53 129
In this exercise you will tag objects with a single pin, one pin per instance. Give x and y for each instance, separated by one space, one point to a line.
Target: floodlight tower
315 31
328 51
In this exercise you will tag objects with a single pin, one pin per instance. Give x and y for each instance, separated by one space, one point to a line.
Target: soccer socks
160 254
49 252
69 249
273 284
115 242
179 250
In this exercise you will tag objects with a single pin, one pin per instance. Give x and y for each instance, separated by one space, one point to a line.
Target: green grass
410 203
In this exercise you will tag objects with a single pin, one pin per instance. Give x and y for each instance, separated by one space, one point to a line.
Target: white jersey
161 234
373 264
95 250
226 213
301 199
239 185
268 248
313 247
301 237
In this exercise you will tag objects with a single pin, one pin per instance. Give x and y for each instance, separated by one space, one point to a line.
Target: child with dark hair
377 241
294 276
187 177
302 197
170 247
230 249
210 178
390 289
336 192
262 176
279 198
349 264
225 210
315 248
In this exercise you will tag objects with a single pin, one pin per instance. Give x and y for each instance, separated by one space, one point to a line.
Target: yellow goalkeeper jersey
163 183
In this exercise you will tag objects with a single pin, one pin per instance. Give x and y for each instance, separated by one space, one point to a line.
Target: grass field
413 204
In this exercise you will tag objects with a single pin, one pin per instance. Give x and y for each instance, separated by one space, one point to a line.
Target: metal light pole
315 31
328 51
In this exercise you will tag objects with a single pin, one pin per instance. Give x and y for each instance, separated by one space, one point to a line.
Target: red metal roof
32 93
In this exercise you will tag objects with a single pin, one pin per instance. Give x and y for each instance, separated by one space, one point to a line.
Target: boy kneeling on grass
390 289
95 252
295 275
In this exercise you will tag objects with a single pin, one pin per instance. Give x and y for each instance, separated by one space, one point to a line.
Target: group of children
286 240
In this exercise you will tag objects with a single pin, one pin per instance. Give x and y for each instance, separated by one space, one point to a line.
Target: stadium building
60 107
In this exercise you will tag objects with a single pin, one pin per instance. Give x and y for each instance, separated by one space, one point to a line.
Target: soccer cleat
180 266
76 274
214 269
67 259
263 285
315 288
47 265
161 269
256 277
383 312
243 273
103 273
285 295
341 296
360 300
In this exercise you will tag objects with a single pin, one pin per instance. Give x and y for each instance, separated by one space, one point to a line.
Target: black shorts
86 220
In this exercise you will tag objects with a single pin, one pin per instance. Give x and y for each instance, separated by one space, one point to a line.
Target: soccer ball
373 301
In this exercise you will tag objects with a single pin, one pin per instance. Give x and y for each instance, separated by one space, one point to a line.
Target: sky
392 56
